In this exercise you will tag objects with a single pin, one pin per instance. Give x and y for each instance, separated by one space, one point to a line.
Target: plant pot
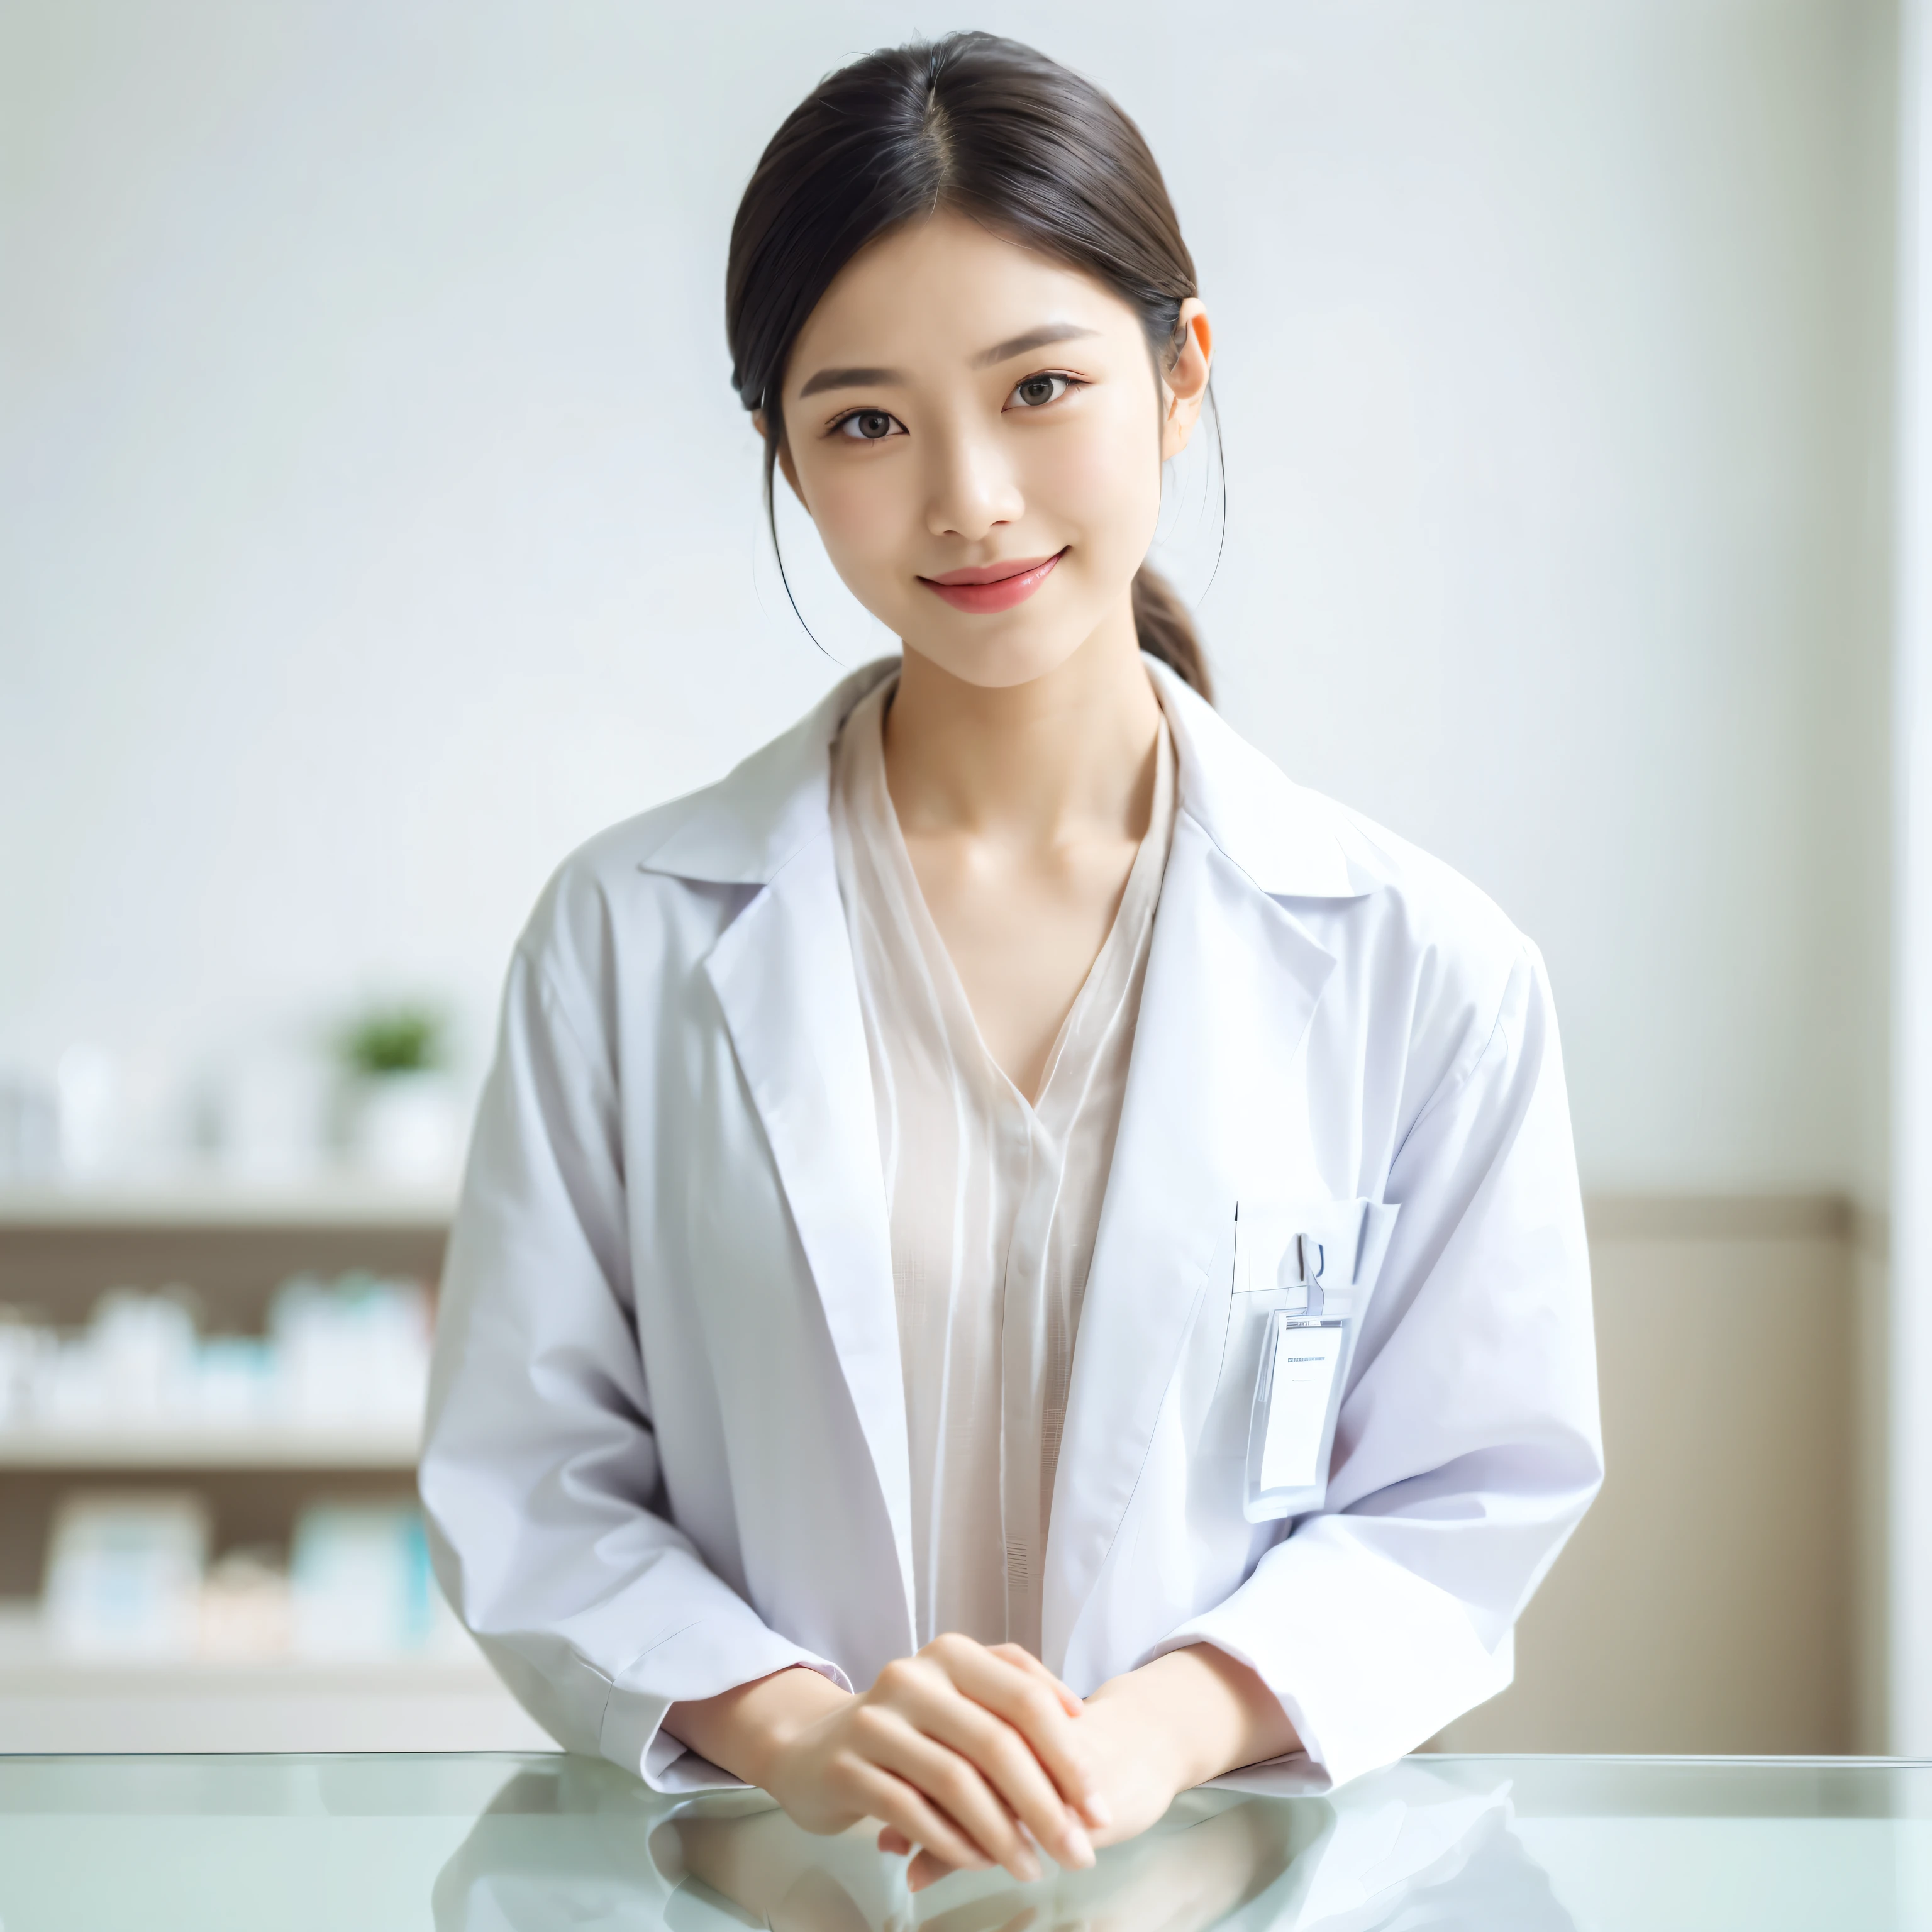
406 1127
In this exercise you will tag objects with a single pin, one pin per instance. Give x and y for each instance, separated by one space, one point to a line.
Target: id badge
1329 1268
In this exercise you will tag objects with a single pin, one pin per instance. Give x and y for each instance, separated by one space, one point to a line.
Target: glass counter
500 1842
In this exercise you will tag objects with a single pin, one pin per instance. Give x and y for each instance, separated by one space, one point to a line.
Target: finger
936 1707
1018 1655
886 1730
925 1869
1011 1681
903 1808
916 1698
950 1781
1031 1707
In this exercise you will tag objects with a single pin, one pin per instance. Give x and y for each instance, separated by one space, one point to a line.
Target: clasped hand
973 1756
954 1750
969 1755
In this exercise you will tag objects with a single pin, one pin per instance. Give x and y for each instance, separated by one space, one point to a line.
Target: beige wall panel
1706 1604
1871 1716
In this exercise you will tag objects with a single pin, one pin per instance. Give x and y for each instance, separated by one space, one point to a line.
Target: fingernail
1026 1868
1079 1846
1099 1813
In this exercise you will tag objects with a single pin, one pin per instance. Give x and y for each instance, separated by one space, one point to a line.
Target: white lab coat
667 1444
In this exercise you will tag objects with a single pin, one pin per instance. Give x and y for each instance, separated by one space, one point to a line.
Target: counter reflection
578 1842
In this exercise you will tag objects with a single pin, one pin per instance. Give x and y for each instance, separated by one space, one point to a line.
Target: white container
123 1576
406 1127
360 1578
143 1351
29 1128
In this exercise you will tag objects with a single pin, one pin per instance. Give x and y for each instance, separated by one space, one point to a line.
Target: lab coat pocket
1302 1268
1252 1264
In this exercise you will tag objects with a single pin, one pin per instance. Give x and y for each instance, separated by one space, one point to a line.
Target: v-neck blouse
993 1203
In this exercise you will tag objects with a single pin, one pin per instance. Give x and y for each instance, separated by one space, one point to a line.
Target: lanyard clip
1302 1267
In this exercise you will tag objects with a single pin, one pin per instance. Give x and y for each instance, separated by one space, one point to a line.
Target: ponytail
1166 632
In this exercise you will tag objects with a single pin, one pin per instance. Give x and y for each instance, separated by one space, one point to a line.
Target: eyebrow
1034 338
987 358
851 378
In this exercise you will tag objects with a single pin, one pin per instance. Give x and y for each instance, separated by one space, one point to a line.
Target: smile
993 586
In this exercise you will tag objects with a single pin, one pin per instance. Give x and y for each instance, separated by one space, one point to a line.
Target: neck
1066 755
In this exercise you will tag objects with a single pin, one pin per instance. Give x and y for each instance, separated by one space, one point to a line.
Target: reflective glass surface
1503 1844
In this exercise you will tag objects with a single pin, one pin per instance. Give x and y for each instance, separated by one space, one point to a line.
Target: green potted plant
402 1119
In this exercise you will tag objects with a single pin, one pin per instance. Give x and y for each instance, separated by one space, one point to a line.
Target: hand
955 1750
1155 1732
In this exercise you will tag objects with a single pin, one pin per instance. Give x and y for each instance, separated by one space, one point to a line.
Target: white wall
378 520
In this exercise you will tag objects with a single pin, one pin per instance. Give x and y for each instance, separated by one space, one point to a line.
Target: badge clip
1328 1272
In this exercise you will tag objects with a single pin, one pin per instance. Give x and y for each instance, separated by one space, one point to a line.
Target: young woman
1013 1261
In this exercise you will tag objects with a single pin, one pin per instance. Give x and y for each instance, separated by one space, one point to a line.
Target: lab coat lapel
1232 981
783 976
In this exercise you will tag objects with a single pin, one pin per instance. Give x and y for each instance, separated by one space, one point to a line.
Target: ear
1184 387
784 459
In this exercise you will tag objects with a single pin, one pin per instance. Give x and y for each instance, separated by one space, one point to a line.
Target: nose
970 488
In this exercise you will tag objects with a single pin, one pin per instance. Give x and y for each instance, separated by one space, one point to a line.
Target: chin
1001 655
998 667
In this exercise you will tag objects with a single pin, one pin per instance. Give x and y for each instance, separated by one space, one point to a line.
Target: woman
1013 1261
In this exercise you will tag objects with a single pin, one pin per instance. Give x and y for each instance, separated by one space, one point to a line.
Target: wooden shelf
345 1446
200 1201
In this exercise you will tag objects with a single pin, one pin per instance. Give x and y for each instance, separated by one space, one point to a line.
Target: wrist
1201 1713
1138 1707
749 1730
798 1699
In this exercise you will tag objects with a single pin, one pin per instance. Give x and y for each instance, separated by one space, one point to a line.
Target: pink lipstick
993 586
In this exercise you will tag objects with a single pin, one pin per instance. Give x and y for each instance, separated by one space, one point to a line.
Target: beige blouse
994 1202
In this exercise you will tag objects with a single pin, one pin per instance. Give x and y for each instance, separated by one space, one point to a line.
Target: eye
1037 392
866 426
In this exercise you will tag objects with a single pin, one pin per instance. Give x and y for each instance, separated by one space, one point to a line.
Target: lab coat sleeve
539 1474
1467 1447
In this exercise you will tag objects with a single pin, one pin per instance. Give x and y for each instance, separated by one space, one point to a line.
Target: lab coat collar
1289 842
744 829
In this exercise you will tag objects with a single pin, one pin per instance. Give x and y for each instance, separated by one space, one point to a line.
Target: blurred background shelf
61 1248
445 1702
224 1252
189 1449
213 1203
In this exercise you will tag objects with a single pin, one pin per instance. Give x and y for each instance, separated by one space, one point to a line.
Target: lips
993 586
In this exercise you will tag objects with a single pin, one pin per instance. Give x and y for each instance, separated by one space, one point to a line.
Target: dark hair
998 132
